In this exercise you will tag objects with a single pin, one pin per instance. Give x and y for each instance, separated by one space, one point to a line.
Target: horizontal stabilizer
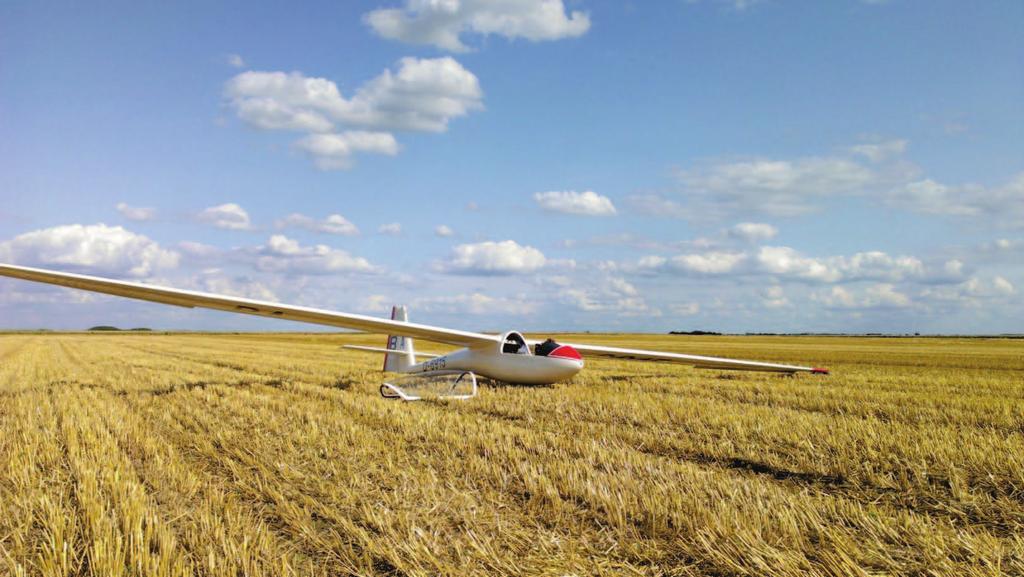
386 351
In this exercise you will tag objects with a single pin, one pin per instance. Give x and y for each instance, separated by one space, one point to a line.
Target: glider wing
697 361
190 299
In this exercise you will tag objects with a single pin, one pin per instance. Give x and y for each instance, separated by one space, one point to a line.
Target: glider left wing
190 299
697 361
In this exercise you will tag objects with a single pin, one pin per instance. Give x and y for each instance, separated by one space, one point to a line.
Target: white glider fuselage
523 368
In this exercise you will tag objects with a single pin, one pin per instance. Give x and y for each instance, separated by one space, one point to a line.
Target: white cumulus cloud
136 213
587 203
721 188
787 263
391 228
610 294
444 231
228 216
776 187
197 251
333 224
475 304
972 292
875 171
685 309
707 263
877 296
98 248
422 95
753 231
282 254
441 23
657 205
216 281
879 151
1004 202
494 258
334 151
877 265
1003 286
774 297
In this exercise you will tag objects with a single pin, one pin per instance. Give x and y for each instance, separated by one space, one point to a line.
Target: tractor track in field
100 404
76 510
8 355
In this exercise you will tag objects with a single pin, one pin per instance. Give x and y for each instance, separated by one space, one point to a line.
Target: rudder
404 357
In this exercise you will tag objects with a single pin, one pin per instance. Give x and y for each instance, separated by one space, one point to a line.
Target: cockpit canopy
546 348
514 344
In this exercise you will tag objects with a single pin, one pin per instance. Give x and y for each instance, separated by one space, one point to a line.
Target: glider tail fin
404 355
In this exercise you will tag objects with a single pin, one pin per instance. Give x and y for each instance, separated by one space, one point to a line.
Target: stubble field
272 454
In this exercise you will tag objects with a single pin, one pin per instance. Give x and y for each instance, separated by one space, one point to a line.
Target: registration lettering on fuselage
434 364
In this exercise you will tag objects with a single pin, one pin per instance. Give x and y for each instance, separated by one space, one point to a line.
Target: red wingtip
819 371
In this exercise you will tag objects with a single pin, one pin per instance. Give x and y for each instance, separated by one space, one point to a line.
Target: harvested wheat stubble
272 454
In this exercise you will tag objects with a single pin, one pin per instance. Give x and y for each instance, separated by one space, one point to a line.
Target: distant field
272 454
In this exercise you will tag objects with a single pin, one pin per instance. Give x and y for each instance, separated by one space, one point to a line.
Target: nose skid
568 359
565 367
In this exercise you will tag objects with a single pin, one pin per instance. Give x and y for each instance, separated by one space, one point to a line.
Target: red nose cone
566 352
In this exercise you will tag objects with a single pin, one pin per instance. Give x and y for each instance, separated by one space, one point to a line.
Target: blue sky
535 164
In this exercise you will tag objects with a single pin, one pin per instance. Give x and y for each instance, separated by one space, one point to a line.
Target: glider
507 357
